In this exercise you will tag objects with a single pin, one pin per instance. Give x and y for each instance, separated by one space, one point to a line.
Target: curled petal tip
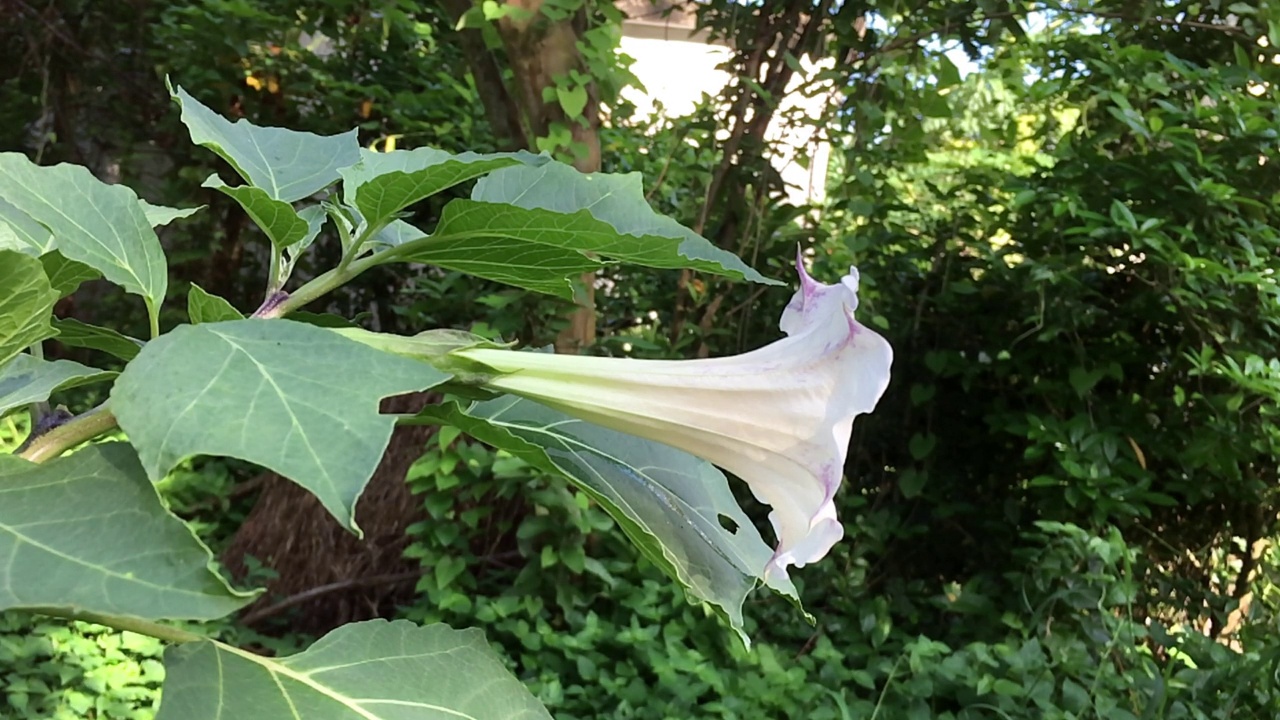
852 279
807 284
805 391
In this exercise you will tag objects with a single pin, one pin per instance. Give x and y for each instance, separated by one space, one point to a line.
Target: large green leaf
100 225
87 532
73 333
26 303
276 218
19 231
295 398
668 502
26 379
374 670
289 165
22 233
382 184
65 275
532 248
639 235
512 261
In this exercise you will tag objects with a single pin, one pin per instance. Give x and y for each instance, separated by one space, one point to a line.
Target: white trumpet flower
779 417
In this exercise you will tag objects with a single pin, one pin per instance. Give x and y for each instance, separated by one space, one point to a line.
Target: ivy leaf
159 215
639 235
73 333
26 303
276 218
382 184
100 225
668 502
572 100
289 165
374 670
26 379
295 398
204 308
88 532
65 275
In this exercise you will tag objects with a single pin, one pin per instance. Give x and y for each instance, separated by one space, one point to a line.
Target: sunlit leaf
382 184
26 303
288 164
616 201
26 379
295 398
87 532
100 225
668 502
375 670
512 261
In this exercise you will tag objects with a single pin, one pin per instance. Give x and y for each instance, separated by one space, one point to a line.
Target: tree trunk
540 51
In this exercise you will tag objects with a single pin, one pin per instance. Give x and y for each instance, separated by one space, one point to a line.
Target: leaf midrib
305 679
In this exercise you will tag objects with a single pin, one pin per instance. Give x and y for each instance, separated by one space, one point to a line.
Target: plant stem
326 283
38 410
64 437
271 305
153 316
349 247
120 622
273 271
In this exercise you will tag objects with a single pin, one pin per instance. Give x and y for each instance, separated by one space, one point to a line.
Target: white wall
677 67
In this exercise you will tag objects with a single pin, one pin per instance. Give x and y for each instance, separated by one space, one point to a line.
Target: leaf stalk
153 629
68 435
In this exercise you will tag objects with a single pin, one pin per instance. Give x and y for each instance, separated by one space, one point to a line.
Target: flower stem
66 436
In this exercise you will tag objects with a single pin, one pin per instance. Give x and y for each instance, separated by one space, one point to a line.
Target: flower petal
779 417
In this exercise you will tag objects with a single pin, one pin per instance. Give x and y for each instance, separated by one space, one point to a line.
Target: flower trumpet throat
779 417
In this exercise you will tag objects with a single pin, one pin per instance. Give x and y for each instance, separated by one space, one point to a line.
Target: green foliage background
1065 507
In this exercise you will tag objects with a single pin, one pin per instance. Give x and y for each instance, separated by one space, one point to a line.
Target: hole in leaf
728 523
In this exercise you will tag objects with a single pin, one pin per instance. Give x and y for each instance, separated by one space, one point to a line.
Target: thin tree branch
257 616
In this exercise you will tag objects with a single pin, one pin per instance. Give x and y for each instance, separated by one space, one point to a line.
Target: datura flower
779 417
